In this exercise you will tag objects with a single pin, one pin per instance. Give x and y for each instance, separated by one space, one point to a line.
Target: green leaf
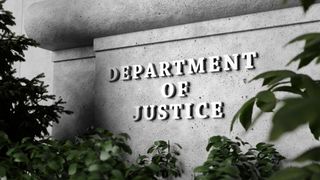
295 112
201 169
150 150
314 168
292 173
305 37
104 155
318 60
115 150
142 159
288 89
2 172
177 153
90 158
231 170
311 49
125 148
266 101
54 165
272 77
313 42
3 137
314 126
93 167
125 135
178 145
94 176
244 114
307 3
20 157
107 146
161 143
310 155
117 175
304 82
72 169
306 57
73 154
315 177
214 141
154 167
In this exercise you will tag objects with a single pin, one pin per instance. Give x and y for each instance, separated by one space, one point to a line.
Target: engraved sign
203 65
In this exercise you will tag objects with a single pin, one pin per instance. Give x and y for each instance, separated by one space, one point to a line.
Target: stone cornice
62 24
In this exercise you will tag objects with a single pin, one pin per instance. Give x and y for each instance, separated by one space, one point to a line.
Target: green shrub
226 160
98 155
161 162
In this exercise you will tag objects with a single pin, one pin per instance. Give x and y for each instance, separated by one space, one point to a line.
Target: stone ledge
263 20
73 54
62 24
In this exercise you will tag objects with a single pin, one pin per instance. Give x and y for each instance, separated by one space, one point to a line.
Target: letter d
114 75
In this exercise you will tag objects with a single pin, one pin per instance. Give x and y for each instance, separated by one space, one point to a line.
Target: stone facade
89 38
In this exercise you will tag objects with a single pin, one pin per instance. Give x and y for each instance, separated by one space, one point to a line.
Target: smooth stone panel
115 102
62 24
16 8
74 73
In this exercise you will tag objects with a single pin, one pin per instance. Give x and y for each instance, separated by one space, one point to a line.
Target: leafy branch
226 160
161 162
301 106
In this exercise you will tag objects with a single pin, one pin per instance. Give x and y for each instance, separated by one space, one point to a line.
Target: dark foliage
226 160
301 107
98 155
161 162
23 109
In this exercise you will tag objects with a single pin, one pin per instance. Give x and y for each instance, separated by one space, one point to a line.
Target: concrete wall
265 33
38 59
78 22
88 43
74 74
